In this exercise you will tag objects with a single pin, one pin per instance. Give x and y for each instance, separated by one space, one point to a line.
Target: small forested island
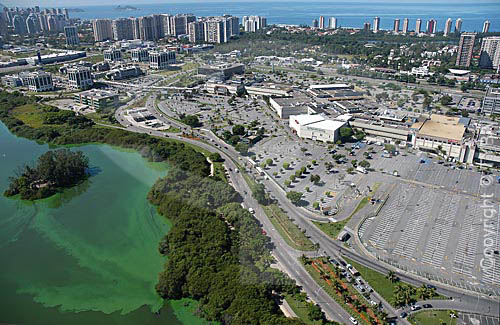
55 170
125 8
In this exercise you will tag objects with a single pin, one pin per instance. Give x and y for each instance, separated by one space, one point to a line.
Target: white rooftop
305 119
329 86
327 125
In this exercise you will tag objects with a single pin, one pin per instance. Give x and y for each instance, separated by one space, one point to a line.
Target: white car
373 303
252 211
353 320
415 307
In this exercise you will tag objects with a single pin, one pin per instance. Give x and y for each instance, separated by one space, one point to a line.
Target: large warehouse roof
306 119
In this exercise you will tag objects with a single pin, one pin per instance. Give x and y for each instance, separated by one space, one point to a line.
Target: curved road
288 257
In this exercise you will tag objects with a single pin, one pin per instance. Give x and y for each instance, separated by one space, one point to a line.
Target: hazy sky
73 3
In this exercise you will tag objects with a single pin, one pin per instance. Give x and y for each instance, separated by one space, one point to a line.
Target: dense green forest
54 170
216 251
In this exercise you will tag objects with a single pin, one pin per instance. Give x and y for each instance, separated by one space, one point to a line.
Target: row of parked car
352 275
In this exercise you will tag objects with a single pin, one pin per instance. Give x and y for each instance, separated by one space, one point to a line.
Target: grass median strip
432 317
333 229
337 287
287 229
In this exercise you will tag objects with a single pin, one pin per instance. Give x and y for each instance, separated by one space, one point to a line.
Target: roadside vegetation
288 230
392 289
331 280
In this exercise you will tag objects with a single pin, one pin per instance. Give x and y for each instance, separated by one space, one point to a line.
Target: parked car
353 320
403 315
415 307
427 305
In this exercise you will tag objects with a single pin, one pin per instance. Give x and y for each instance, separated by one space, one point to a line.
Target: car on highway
353 320
427 305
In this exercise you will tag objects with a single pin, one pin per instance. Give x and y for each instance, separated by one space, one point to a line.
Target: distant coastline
129 8
76 10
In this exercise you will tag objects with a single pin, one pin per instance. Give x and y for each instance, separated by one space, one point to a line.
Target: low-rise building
443 135
56 57
285 107
140 55
112 55
159 60
39 81
227 70
316 127
383 131
80 77
124 72
491 101
12 81
97 99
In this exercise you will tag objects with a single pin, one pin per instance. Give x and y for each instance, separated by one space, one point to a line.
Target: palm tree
338 286
422 292
356 304
391 275
304 259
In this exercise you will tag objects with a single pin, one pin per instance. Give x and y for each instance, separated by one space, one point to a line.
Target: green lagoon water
89 255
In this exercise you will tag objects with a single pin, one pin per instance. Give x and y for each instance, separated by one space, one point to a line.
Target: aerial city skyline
267 162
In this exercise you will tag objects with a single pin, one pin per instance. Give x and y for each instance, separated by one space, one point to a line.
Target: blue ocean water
348 14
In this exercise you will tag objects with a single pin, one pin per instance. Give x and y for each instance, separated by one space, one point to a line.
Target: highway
288 257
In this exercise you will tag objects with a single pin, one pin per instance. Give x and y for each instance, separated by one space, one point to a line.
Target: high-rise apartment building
71 34
196 31
179 24
19 25
367 26
321 22
458 25
123 29
32 24
102 30
447 27
332 24
406 23
490 53
486 26
431 26
418 26
396 25
147 28
315 23
465 47
254 23
376 24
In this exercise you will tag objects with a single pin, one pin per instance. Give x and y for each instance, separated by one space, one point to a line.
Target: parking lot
437 233
474 319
